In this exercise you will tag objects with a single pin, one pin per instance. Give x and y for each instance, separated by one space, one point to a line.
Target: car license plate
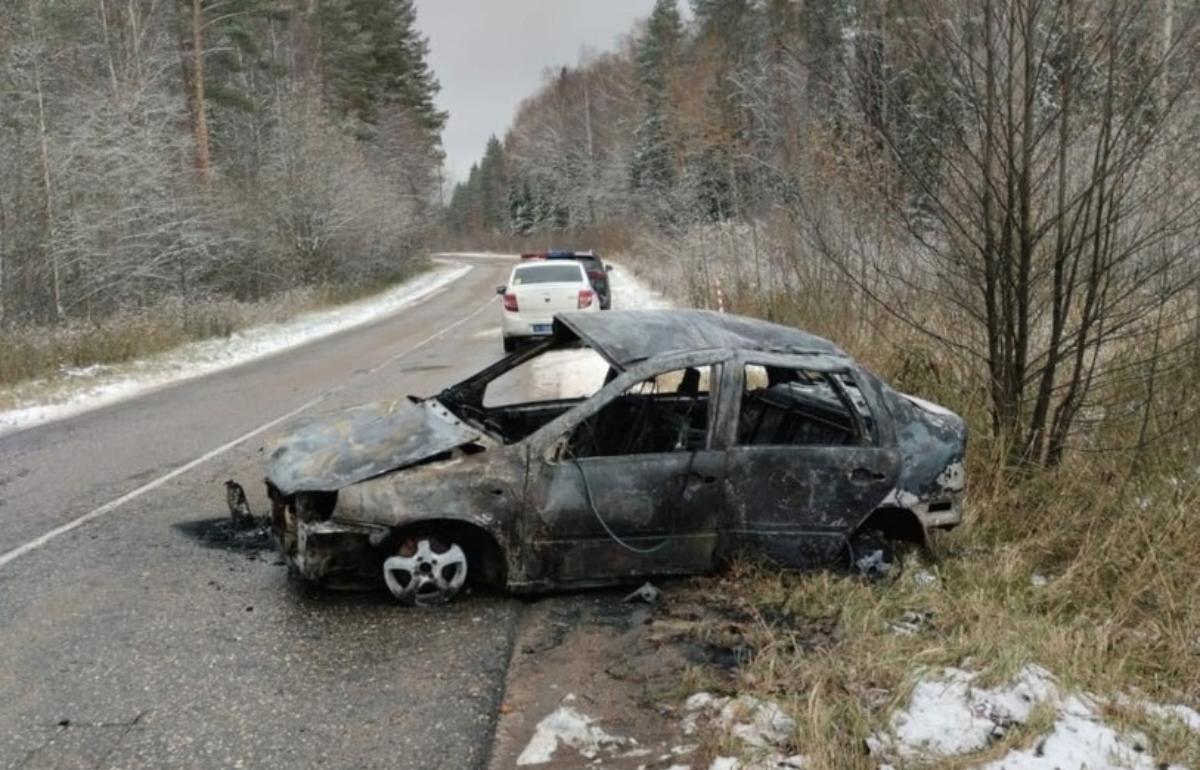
541 328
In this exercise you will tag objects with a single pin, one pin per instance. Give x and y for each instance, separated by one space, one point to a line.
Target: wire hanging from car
587 492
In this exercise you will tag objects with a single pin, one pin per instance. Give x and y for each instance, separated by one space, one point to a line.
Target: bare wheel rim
426 571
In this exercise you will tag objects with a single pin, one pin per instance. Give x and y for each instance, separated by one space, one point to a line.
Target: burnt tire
875 556
427 570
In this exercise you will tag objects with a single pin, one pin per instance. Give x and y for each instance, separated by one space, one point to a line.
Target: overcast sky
491 54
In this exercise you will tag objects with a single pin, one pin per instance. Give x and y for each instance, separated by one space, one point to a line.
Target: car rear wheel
426 571
510 344
875 556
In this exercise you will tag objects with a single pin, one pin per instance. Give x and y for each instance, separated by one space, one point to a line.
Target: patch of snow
725 763
1079 741
924 578
701 700
949 716
757 723
629 293
85 371
1185 714
97 386
567 727
1038 581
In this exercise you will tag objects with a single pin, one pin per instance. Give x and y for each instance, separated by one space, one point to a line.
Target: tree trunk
47 182
3 224
193 74
108 55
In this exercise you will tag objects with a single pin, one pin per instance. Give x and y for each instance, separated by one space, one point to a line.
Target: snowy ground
97 386
950 715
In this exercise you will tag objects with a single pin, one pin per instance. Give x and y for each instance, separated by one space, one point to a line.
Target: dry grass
1115 533
51 352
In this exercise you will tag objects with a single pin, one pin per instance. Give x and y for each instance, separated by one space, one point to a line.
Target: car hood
325 453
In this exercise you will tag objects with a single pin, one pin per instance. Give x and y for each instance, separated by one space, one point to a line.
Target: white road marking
113 505
109 507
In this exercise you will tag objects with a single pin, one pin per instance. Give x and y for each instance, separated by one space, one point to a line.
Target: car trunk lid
546 299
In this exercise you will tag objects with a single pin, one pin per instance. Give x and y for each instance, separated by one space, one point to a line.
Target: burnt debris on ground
224 534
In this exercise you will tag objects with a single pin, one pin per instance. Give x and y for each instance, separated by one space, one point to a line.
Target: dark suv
597 271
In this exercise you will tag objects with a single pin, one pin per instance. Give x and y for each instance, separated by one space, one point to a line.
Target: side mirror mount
557 450
501 289
608 268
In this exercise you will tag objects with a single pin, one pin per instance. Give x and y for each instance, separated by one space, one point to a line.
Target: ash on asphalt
223 534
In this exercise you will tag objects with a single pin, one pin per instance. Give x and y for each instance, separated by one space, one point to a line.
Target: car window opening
784 406
665 413
545 273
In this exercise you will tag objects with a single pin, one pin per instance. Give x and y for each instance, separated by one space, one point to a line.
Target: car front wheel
426 571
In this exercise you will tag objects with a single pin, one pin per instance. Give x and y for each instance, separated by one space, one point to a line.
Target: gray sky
491 54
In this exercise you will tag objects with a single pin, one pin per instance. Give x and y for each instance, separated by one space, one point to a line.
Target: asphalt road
131 642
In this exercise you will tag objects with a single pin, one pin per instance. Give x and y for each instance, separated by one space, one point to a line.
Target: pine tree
493 188
373 56
653 170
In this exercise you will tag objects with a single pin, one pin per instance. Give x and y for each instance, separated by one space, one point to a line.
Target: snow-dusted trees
653 167
1010 180
153 149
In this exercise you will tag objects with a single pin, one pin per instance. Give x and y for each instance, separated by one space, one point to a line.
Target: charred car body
711 435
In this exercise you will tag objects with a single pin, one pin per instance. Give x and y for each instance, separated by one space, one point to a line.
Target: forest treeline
1011 183
187 149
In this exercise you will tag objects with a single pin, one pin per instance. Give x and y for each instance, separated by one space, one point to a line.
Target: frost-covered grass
1087 571
81 368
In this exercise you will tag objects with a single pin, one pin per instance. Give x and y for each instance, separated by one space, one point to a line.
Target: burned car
707 435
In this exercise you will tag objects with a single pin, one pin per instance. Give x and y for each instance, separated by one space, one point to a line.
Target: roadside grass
43 358
1088 569
1117 613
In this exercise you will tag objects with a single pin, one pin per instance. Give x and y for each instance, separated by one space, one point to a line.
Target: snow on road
96 386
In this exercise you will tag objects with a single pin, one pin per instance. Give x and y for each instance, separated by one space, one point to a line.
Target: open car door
629 483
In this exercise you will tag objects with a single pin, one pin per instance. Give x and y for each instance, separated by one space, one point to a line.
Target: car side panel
798 504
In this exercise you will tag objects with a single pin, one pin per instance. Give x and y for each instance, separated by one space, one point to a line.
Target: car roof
625 337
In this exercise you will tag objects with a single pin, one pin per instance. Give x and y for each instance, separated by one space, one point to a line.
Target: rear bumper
517 325
946 515
522 324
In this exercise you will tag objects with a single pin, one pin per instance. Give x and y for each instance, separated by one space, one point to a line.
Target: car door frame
542 557
801 543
